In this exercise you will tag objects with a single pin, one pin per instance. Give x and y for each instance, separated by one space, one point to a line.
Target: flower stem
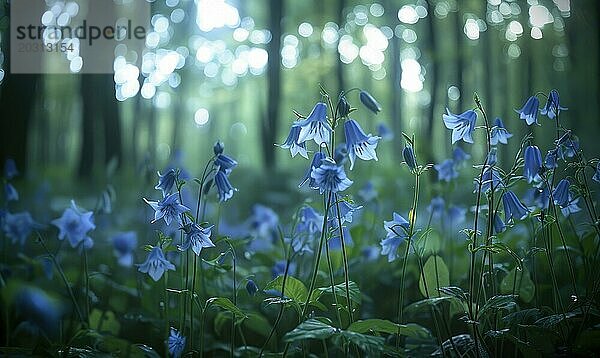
345 258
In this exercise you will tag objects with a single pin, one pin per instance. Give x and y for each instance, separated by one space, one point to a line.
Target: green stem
345 259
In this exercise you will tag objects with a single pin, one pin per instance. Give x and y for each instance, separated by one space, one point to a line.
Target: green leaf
258 324
294 288
104 321
497 302
384 326
435 274
455 292
310 329
226 304
426 303
370 344
524 286
340 291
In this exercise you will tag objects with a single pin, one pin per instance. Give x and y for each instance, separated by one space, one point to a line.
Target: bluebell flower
279 268
446 170
330 177
292 144
166 181
124 243
340 153
437 206
529 112
224 188
571 207
10 192
335 242
552 107
384 132
156 264
47 267
491 180
370 253
596 176
462 125
499 134
74 225
533 163
358 143
568 146
367 192
346 212
561 193
499 225
10 169
310 221
225 163
251 287
196 237
456 215
369 101
218 147
343 107
396 232
176 343
459 155
409 157
18 226
263 221
315 126
168 208
316 162
492 157
551 161
36 307
513 208
541 197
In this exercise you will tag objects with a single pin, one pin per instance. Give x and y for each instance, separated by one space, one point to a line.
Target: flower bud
409 157
369 102
343 107
218 147
251 287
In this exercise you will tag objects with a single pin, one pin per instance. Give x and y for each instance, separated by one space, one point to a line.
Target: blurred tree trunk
112 121
17 97
433 80
269 125
339 64
395 78
89 110
459 60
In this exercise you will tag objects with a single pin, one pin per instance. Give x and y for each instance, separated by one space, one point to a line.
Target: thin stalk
345 259
335 300
166 311
86 283
234 303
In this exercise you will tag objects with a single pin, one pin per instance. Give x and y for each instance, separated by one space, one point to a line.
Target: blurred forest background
233 70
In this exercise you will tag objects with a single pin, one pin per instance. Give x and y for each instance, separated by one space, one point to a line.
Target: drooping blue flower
124 243
278 268
358 143
156 264
19 226
346 212
251 287
491 180
343 107
335 241
10 169
459 155
263 221
310 221
168 208
224 188
446 170
384 132
396 232
533 163
571 207
369 101
529 111
596 176
456 215
10 192
368 193
462 125
330 177
74 225
340 153
568 146
409 157
499 225
196 237
292 144
513 208
551 161
437 206
499 134
561 193
315 126
36 307
176 343
166 181
539 197
370 253
316 162
552 107
492 157
225 163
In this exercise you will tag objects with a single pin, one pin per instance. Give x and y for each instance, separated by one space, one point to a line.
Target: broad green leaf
524 286
340 291
426 303
455 292
435 275
311 328
104 321
385 326
258 324
294 288
497 302
370 344
226 304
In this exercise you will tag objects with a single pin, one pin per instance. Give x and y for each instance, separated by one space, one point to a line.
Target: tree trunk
112 121
89 111
395 78
459 60
339 64
433 80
